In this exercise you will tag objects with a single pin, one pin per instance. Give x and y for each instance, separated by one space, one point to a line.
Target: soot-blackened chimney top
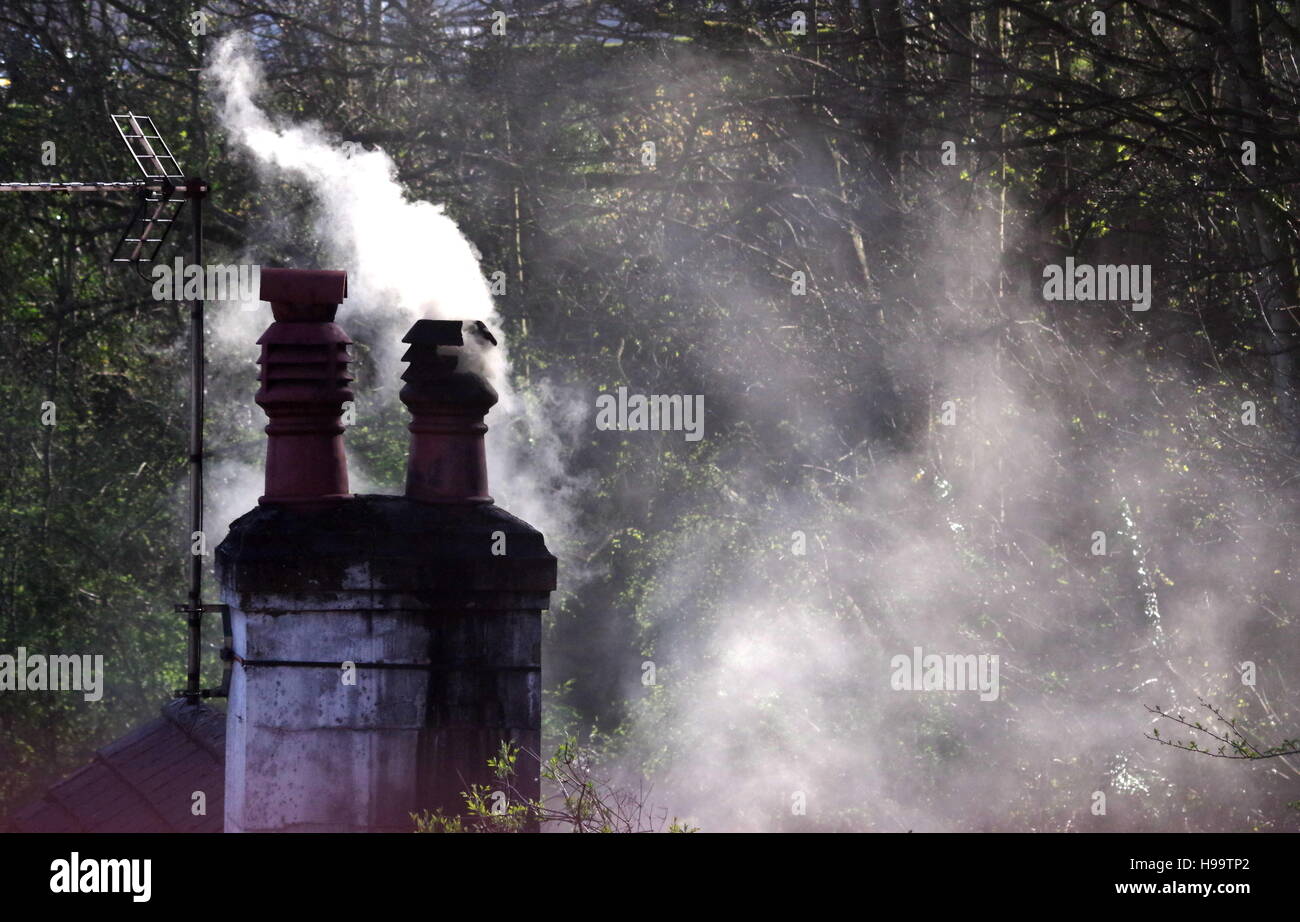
448 399
304 385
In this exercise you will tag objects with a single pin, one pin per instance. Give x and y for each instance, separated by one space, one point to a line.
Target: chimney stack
385 646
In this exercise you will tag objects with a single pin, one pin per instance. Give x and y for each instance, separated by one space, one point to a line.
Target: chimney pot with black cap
384 648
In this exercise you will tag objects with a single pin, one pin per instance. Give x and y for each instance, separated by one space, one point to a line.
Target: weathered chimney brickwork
443 629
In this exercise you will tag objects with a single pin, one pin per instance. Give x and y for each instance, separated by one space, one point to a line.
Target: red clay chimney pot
304 385
447 401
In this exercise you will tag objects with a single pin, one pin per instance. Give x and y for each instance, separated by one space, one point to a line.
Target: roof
143 782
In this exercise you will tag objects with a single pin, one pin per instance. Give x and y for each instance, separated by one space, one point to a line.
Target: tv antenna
162 196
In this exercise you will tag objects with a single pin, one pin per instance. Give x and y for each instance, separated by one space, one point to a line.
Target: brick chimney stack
385 646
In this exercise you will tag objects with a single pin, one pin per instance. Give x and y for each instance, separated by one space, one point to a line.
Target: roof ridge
202 724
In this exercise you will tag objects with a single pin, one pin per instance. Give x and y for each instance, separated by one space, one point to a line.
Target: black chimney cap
435 333
446 332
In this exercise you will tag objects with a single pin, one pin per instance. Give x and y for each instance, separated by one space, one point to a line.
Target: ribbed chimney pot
448 401
304 385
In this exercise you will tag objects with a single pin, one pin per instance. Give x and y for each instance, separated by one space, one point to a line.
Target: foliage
577 801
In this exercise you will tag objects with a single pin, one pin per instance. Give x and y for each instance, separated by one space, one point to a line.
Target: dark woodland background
777 153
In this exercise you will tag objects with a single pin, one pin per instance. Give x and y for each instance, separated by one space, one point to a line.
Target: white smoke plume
406 260
402 256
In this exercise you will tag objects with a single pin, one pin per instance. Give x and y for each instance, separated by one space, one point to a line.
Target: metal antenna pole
195 615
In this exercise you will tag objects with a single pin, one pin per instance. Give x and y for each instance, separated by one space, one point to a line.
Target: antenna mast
163 193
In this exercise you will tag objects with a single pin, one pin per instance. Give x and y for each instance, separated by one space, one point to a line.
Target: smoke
406 260
404 257
773 619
